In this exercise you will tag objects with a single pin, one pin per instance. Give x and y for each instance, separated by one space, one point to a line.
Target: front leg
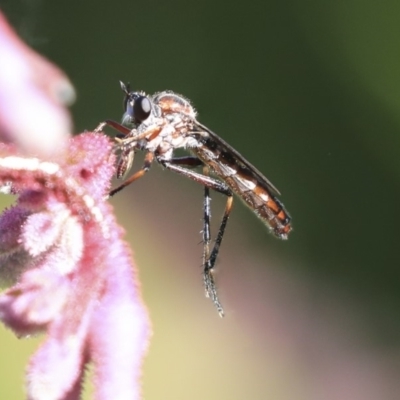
148 159
113 124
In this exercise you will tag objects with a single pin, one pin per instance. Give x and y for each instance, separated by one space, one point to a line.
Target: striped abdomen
247 182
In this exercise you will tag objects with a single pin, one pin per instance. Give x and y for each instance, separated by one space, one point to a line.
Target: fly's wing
243 178
229 154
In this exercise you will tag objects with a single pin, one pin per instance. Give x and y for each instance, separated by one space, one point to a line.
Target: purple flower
62 253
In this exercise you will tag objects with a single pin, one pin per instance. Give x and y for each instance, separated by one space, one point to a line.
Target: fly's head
138 108
139 112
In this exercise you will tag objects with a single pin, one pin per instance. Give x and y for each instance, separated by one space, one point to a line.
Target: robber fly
166 121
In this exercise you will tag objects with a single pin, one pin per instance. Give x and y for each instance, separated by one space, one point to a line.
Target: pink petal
119 334
33 93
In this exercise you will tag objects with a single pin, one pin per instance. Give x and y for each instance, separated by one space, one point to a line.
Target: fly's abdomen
244 180
267 206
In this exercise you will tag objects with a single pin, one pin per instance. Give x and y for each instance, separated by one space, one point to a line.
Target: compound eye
141 108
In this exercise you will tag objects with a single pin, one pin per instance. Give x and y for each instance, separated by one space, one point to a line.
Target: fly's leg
125 160
116 125
124 163
127 138
209 259
148 159
208 278
188 161
211 290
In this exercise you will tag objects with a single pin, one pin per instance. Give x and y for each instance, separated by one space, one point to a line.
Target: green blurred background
309 91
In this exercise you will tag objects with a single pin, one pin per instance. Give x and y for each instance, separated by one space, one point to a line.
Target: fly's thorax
170 102
170 139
